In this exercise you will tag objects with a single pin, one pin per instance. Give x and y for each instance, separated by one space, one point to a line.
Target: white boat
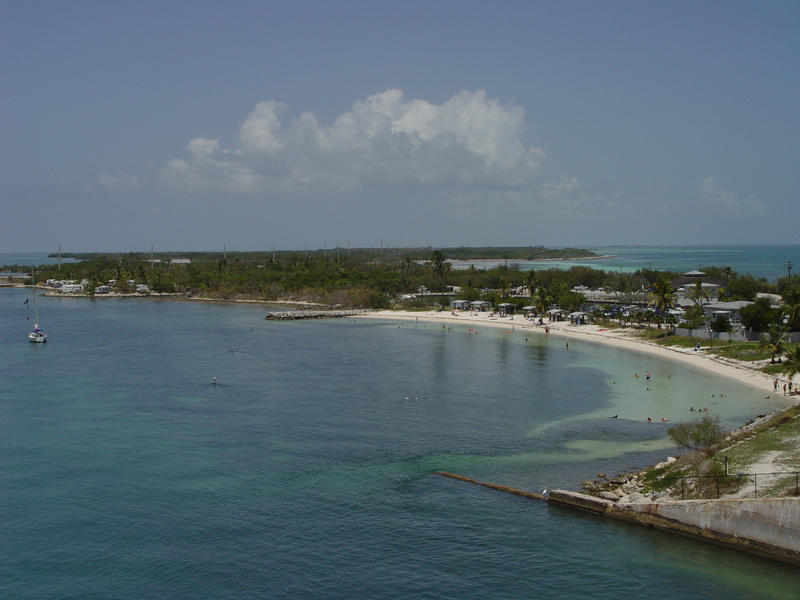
37 336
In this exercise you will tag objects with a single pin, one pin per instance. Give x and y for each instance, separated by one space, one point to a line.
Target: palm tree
662 298
541 300
697 294
405 267
791 365
791 307
531 281
439 268
774 341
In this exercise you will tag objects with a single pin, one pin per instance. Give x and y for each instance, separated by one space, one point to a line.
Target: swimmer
649 420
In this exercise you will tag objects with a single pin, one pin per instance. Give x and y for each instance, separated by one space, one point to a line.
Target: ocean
307 471
767 261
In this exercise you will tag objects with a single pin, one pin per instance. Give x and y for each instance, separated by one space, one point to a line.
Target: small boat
37 336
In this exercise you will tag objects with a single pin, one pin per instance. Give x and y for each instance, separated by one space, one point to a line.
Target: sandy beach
620 338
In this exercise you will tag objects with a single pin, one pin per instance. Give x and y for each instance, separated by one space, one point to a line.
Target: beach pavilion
481 305
557 314
507 308
460 304
580 317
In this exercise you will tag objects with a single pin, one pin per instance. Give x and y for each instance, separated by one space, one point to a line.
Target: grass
781 434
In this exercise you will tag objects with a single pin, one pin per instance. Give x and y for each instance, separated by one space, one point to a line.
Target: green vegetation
697 435
380 277
768 447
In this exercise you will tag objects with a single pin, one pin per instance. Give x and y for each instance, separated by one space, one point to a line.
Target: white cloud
209 167
715 196
382 141
118 181
563 186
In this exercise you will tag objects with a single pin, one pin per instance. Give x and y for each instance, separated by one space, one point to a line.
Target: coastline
618 338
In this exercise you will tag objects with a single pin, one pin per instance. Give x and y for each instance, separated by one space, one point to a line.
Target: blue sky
197 124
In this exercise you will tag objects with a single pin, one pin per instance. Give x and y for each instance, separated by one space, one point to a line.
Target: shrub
699 435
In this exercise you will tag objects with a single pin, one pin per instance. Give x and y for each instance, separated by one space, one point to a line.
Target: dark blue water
307 471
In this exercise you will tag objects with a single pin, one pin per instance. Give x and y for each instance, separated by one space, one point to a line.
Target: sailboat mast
35 312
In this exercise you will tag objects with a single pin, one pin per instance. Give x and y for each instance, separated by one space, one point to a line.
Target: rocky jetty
291 315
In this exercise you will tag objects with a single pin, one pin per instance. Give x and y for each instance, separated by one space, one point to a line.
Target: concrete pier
768 527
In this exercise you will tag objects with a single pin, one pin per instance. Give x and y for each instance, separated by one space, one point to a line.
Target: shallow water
307 470
766 260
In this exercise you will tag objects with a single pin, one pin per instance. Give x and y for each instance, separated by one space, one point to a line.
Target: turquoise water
307 471
768 261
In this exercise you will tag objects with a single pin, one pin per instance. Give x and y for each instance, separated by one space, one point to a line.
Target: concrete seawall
768 527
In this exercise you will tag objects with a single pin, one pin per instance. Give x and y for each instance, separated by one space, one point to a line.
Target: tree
700 435
698 294
759 315
791 366
438 267
405 266
791 307
531 281
571 301
774 342
662 298
541 300
744 287
721 324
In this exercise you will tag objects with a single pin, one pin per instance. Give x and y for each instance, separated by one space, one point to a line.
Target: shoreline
617 338
478 261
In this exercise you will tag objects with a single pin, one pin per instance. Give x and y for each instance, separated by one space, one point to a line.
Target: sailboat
36 336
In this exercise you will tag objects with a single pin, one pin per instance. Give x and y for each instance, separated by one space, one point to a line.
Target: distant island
462 253
411 278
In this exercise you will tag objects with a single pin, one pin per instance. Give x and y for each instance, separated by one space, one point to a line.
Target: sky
202 125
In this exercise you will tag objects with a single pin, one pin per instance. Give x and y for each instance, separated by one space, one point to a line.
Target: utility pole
789 270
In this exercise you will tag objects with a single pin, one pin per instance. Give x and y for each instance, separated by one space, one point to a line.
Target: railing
713 486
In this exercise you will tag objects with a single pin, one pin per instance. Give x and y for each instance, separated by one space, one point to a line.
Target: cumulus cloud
118 181
715 196
384 140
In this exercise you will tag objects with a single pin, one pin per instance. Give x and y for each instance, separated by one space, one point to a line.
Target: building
725 309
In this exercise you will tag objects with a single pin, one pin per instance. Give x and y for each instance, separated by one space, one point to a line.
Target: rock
618 481
589 485
608 496
671 459
637 498
601 475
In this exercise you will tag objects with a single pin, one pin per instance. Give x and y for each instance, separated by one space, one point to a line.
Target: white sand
620 338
